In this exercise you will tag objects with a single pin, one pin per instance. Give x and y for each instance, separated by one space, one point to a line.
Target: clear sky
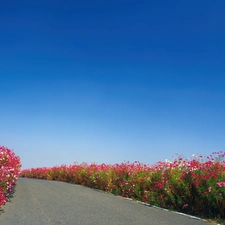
111 81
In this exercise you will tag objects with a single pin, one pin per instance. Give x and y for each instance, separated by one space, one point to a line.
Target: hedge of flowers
195 186
9 172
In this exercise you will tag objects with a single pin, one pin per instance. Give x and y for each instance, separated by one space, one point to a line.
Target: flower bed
195 186
9 172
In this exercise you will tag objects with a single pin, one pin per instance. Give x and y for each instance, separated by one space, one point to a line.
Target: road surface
40 202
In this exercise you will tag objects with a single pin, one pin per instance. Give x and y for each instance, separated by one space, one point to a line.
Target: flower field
9 172
195 186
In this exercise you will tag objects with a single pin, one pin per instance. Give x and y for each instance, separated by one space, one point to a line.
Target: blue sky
111 81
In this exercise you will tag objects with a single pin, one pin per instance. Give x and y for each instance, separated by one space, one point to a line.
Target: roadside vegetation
9 172
194 186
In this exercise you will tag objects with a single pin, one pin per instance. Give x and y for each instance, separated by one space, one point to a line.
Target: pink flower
221 184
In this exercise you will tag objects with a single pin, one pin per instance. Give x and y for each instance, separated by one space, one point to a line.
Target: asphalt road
41 202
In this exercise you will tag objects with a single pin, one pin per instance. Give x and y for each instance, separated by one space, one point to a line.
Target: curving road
40 202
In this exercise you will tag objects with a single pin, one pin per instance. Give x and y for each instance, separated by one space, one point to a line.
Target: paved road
41 202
